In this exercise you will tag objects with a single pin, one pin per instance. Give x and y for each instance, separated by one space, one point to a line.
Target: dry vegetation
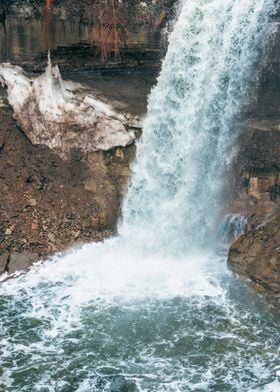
110 21
109 32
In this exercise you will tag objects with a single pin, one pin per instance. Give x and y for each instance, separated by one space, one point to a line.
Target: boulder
21 261
257 256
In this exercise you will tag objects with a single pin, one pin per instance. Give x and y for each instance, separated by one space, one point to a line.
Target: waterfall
232 227
174 197
155 309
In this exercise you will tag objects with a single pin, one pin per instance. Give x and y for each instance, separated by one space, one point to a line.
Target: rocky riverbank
49 204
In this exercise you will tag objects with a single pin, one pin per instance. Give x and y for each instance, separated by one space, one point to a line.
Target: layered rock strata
256 176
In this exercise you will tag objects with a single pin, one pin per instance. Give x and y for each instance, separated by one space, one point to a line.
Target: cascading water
155 309
232 227
188 132
47 23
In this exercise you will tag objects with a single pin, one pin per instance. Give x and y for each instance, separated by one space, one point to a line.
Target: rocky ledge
257 255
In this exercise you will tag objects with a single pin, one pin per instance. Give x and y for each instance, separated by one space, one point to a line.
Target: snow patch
64 115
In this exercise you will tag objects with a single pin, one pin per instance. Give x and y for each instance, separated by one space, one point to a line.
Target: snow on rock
64 115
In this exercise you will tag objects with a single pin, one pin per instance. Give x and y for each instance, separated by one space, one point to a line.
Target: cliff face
256 175
73 34
49 203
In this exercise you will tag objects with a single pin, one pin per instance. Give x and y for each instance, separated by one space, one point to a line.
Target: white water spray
173 200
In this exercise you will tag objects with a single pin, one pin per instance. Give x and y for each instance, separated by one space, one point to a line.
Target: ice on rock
64 115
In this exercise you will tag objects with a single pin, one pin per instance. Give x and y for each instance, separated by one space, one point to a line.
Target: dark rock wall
255 174
257 256
267 102
23 34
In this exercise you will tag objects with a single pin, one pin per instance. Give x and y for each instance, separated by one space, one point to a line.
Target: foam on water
165 325
155 305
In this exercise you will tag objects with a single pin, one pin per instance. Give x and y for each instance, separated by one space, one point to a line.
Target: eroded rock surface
20 261
257 255
4 259
25 34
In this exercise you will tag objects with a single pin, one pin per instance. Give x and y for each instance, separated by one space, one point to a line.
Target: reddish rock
257 255
34 226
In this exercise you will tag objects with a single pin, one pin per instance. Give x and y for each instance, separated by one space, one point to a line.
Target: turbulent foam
113 270
76 322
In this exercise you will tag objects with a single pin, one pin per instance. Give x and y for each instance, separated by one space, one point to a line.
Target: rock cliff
71 33
256 175
257 255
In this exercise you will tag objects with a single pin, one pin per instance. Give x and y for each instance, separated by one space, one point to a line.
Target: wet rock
121 384
257 256
256 211
4 257
259 143
21 261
